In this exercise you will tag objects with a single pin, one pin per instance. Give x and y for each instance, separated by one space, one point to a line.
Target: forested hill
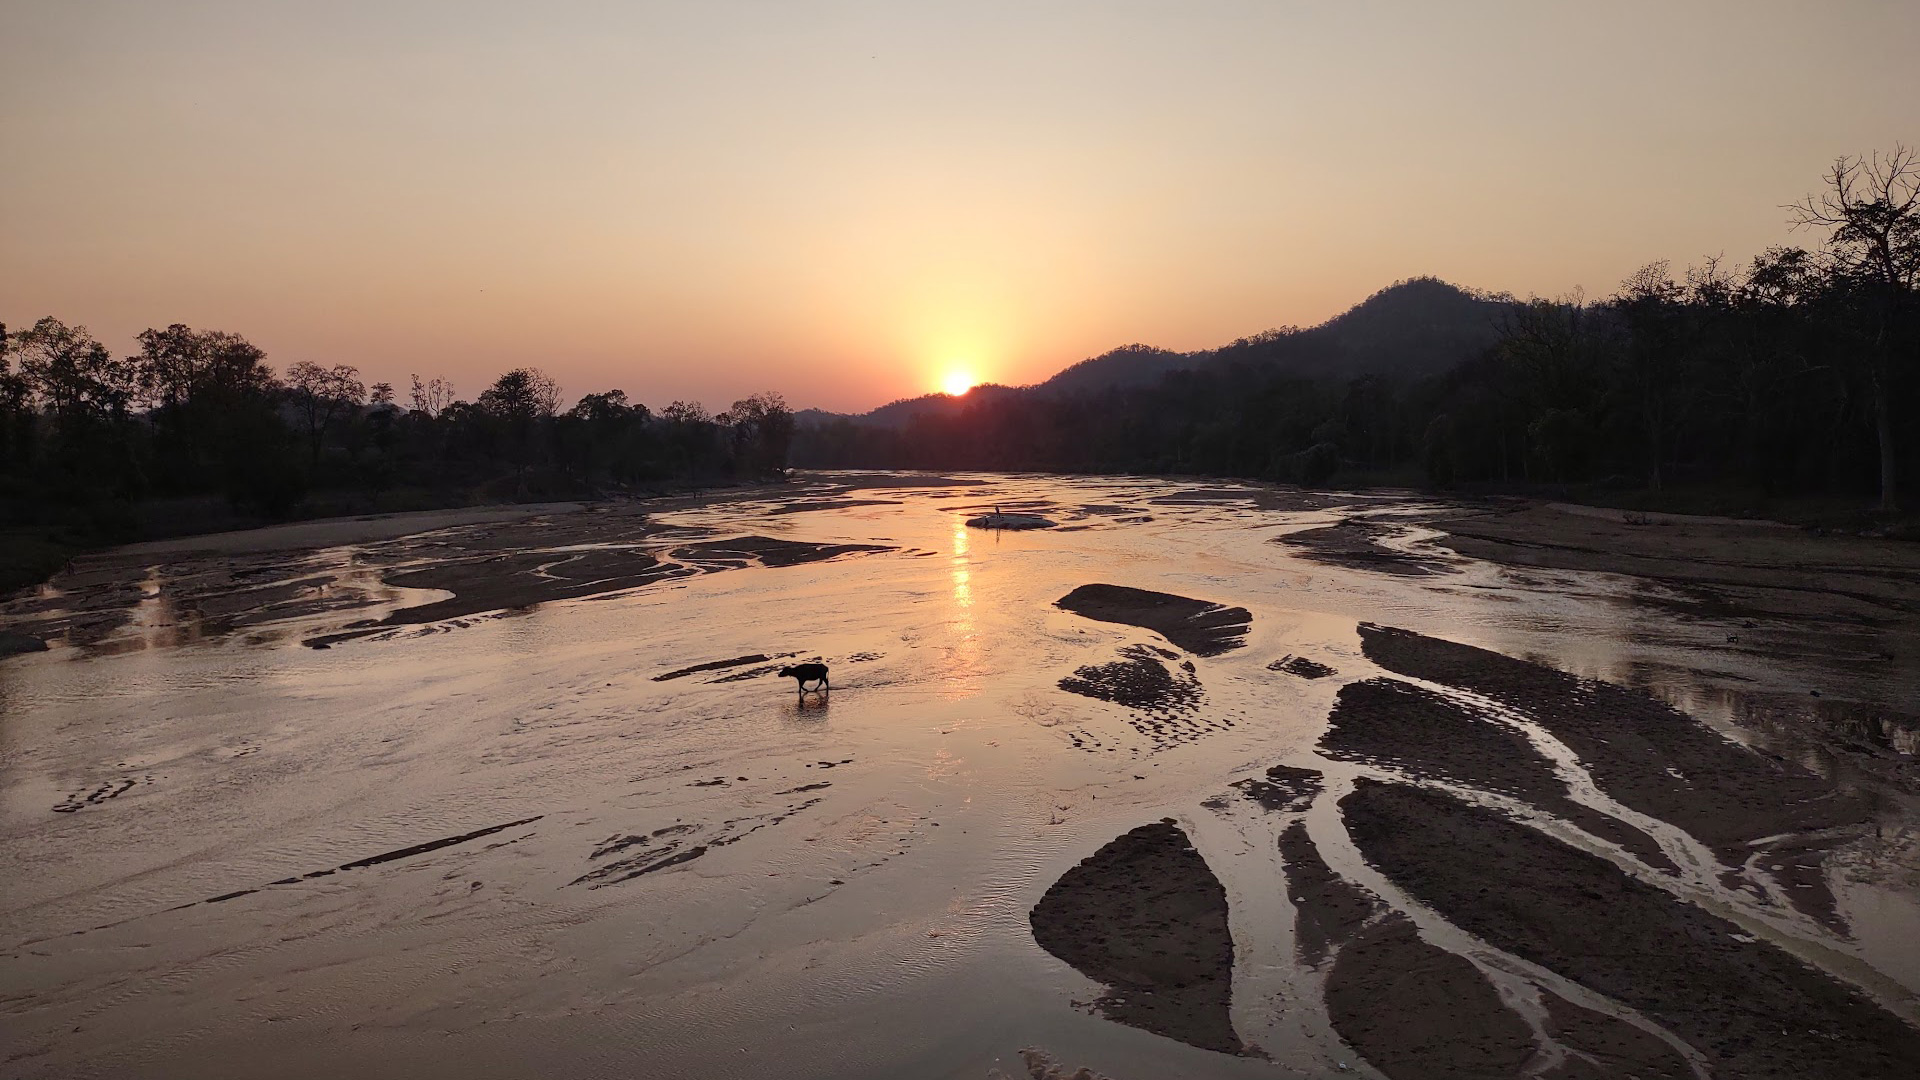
1786 377
1416 327
1128 365
1413 328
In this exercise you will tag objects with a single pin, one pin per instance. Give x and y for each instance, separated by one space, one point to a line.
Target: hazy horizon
850 203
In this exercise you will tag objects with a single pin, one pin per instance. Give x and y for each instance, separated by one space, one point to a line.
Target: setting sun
957 383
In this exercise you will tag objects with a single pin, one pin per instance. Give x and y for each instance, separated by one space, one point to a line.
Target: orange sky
848 202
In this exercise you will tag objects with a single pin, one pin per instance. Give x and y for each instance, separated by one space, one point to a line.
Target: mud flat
1301 667
1037 1064
1146 916
1013 522
1414 730
1725 568
1141 679
1410 1008
1356 544
1751 1008
767 551
1641 751
712 665
1874 739
1283 789
1162 691
1201 627
12 642
1257 495
491 559
482 583
495 582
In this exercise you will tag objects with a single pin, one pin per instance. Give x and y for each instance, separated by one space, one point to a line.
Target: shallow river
219 848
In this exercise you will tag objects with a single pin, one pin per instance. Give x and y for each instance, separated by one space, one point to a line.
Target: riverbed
527 796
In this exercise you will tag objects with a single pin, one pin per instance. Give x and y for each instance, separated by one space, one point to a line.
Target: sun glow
957 383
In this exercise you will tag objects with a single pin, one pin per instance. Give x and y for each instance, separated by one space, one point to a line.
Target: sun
957 383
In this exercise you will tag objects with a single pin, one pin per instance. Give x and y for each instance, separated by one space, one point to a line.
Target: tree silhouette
432 397
517 401
1870 210
77 379
762 433
323 397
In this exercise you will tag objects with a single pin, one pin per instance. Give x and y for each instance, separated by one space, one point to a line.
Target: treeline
87 436
1794 375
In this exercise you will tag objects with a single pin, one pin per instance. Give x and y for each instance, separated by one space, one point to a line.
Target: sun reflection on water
962 577
963 655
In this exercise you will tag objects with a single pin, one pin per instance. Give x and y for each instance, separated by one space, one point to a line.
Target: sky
850 203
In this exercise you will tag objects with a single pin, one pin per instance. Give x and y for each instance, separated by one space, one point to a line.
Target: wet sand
1356 543
1201 627
546 808
1409 1008
1755 1010
1283 789
1301 666
1145 916
1141 679
1039 1065
1641 750
1721 567
499 582
1421 734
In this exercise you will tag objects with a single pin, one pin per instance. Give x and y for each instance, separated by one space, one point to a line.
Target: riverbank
32 553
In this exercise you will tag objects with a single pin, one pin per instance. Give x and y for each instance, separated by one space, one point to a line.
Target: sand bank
1146 916
1754 1010
1201 627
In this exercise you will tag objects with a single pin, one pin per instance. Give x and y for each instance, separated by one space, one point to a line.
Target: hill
1414 328
1128 365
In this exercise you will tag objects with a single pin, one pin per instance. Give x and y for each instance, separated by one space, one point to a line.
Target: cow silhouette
802 674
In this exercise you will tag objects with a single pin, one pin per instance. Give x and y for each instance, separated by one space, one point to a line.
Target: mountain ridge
1415 327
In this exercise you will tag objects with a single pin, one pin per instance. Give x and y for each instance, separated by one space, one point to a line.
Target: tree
1870 210
518 401
432 397
1655 356
685 412
170 363
323 395
74 376
16 422
762 433
610 407
522 394
236 368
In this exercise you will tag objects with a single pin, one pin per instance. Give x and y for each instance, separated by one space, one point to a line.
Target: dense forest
1792 376
193 430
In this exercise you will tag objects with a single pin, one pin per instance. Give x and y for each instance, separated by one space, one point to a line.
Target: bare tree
1870 211
431 397
323 396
